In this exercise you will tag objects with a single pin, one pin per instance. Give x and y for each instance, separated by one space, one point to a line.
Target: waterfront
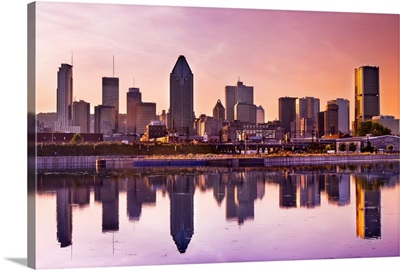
216 214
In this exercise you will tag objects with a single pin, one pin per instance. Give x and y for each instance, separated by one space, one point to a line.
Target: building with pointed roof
181 115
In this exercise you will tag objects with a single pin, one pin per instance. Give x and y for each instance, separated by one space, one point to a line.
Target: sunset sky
280 53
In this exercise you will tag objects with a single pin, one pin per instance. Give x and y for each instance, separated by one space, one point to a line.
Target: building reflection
219 187
237 189
64 217
368 208
307 188
138 193
81 196
337 188
241 192
287 192
299 190
107 194
181 192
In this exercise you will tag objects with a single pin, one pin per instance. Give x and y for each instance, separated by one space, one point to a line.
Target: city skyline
271 58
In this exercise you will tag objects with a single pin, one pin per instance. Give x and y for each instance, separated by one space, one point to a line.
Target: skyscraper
343 114
64 99
104 119
133 98
307 110
287 111
244 112
366 94
181 115
219 111
110 96
238 93
260 115
81 115
328 120
145 113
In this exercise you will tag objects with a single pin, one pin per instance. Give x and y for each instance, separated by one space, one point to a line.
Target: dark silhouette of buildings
239 102
241 193
287 192
181 114
110 97
219 111
328 121
133 97
138 193
287 111
337 188
104 120
81 113
107 194
366 102
64 217
181 192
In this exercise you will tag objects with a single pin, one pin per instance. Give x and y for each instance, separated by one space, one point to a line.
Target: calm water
199 215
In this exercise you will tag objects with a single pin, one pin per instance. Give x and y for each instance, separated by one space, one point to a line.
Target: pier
116 162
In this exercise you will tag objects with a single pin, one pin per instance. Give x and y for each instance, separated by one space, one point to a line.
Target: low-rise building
386 143
154 130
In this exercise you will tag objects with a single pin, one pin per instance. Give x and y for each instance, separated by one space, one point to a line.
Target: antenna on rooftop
72 58
113 65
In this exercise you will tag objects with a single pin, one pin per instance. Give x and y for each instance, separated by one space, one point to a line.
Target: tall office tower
219 111
238 93
81 112
366 94
307 110
181 115
246 113
133 97
145 113
343 114
260 115
287 111
64 98
328 120
104 119
110 96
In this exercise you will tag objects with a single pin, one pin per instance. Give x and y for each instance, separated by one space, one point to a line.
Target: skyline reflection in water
199 215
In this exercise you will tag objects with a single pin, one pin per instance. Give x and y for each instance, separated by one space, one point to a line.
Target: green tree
352 147
342 147
373 128
390 147
77 139
367 148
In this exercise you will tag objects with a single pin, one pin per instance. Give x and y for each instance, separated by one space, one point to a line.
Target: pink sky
280 53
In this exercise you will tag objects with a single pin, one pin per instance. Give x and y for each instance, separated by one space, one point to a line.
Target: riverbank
115 162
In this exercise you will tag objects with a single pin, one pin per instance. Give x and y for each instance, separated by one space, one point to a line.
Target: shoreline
118 162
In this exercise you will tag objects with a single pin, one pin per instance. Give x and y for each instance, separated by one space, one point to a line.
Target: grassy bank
120 149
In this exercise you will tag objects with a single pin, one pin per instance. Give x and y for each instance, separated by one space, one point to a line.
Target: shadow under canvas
20 261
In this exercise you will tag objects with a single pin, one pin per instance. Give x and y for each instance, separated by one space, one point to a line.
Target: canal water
162 216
